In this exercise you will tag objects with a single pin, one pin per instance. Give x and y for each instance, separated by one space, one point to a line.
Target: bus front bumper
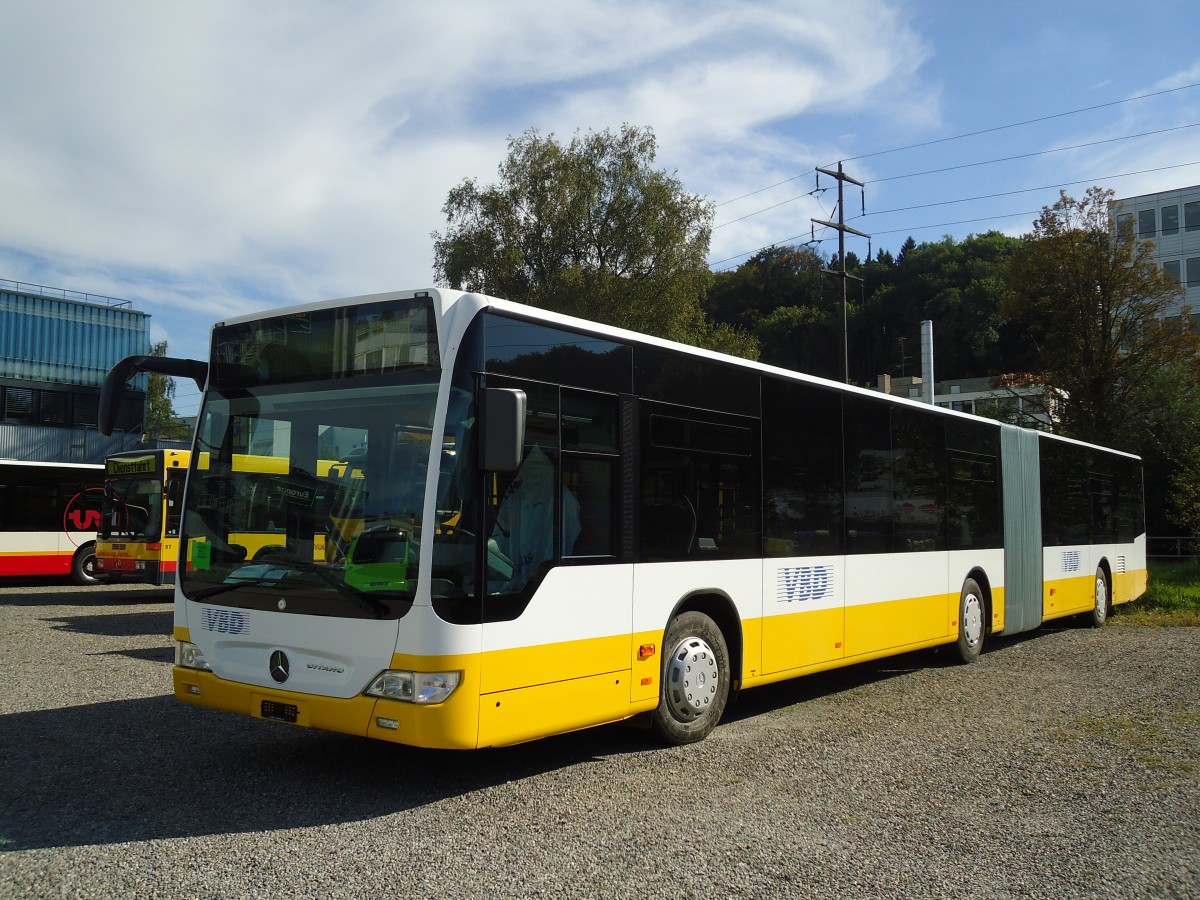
452 725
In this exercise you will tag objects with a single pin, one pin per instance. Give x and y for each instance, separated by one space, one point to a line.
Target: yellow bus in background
138 538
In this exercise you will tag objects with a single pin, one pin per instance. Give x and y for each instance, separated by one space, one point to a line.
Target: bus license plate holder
279 711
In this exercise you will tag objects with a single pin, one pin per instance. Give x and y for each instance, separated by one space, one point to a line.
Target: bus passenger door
557 601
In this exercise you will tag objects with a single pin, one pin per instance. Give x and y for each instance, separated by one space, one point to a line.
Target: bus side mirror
118 375
503 429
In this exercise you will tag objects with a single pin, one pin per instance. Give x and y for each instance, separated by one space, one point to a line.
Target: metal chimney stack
927 361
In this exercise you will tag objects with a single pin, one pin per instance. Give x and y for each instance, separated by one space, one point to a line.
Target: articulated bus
143 501
49 513
139 531
553 524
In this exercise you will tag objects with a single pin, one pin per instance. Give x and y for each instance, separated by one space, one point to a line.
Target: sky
206 160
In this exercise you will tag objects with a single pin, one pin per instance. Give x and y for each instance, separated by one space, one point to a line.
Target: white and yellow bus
553 524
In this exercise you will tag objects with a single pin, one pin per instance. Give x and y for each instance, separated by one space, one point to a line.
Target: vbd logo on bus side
804 584
224 621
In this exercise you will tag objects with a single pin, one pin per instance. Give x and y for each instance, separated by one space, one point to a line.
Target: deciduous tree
591 229
1091 304
161 419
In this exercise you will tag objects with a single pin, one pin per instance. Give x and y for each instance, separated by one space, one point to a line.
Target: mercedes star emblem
279 666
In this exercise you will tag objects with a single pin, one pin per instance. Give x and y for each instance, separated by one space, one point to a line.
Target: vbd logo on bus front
225 621
804 584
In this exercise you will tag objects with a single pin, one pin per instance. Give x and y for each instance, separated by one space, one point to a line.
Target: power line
911 228
988 162
972 134
981 163
787 241
1072 112
1033 212
1047 187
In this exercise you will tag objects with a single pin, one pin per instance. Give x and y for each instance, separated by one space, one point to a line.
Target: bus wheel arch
974 616
83 564
701 651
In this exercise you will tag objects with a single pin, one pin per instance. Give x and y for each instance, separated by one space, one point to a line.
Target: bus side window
589 467
700 485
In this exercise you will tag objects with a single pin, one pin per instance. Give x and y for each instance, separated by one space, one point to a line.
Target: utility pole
842 228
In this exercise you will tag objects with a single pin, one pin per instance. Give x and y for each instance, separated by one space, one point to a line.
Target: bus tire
972 621
694 680
83 565
1103 604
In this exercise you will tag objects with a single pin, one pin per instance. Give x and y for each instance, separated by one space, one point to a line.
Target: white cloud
303 150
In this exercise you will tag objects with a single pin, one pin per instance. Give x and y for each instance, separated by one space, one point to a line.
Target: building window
1124 226
86 407
1146 220
1193 273
53 408
1171 270
955 389
1191 216
18 403
1170 219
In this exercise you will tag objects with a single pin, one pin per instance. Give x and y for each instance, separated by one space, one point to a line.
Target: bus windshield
132 508
308 500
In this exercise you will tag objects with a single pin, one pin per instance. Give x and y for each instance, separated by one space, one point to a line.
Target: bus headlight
414 687
189 656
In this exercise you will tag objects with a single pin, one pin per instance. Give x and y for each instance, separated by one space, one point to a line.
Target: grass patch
1161 741
1172 596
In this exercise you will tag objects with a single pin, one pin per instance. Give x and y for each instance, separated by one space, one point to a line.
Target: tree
770 279
589 229
161 419
1090 306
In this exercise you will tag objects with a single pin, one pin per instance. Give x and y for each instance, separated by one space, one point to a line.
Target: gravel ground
1065 763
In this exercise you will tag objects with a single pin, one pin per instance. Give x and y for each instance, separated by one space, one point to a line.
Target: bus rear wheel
694 680
972 627
1103 601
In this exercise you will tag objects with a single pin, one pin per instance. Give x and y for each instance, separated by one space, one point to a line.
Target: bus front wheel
694 680
972 624
83 565
1103 600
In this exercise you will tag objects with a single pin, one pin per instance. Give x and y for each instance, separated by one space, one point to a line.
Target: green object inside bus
378 561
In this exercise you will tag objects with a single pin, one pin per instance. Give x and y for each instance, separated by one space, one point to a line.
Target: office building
56 347
1171 219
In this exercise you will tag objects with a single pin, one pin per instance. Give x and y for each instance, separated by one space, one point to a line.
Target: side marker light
646 651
